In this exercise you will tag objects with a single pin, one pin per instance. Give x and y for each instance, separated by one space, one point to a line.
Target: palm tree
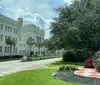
30 42
39 45
11 42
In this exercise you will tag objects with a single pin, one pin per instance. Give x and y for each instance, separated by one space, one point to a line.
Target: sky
38 12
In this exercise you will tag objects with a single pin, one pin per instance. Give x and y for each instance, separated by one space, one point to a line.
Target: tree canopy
77 25
11 42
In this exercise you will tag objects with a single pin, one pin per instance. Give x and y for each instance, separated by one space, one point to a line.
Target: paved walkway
71 77
9 67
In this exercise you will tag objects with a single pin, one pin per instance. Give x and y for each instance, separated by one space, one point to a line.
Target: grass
61 63
33 77
37 76
43 57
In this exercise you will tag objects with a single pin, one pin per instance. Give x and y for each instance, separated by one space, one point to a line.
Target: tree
30 42
11 42
45 44
51 44
77 23
39 45
73 38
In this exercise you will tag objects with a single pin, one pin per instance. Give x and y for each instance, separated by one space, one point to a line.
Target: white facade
36 33
15 29
9 28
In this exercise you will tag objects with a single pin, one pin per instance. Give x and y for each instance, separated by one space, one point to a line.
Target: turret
20 20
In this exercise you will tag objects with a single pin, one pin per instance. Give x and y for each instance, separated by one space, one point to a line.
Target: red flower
88 63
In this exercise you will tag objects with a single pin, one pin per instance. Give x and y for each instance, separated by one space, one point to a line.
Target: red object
86 72
88 63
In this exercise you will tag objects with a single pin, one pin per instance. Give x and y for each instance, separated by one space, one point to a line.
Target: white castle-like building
36 33
16 29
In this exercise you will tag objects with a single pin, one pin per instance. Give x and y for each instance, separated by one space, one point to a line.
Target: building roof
9 20
33 28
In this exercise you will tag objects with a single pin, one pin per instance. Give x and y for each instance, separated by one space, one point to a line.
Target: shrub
29 58
82 55
77 55
69 56
71 68
61 68
8 57
68 68
88 63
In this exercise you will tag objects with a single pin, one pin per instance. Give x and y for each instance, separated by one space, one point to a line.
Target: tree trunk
30 50
44 50
38 50
11 52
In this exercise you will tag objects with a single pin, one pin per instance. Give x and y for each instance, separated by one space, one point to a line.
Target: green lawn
61 63
37 76
33 77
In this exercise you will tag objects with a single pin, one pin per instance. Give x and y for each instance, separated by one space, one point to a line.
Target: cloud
2 9
38 12
36 6
29 17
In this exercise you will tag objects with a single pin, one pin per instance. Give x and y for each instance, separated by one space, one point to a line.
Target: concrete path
9 67
71 77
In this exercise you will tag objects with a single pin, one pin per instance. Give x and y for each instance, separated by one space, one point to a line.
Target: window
5 28
1 26
23 45
8 29
5 49
20 51
13 49
11 29
23 51
0 49
1 37
20 44
16 31
16 50
5 37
